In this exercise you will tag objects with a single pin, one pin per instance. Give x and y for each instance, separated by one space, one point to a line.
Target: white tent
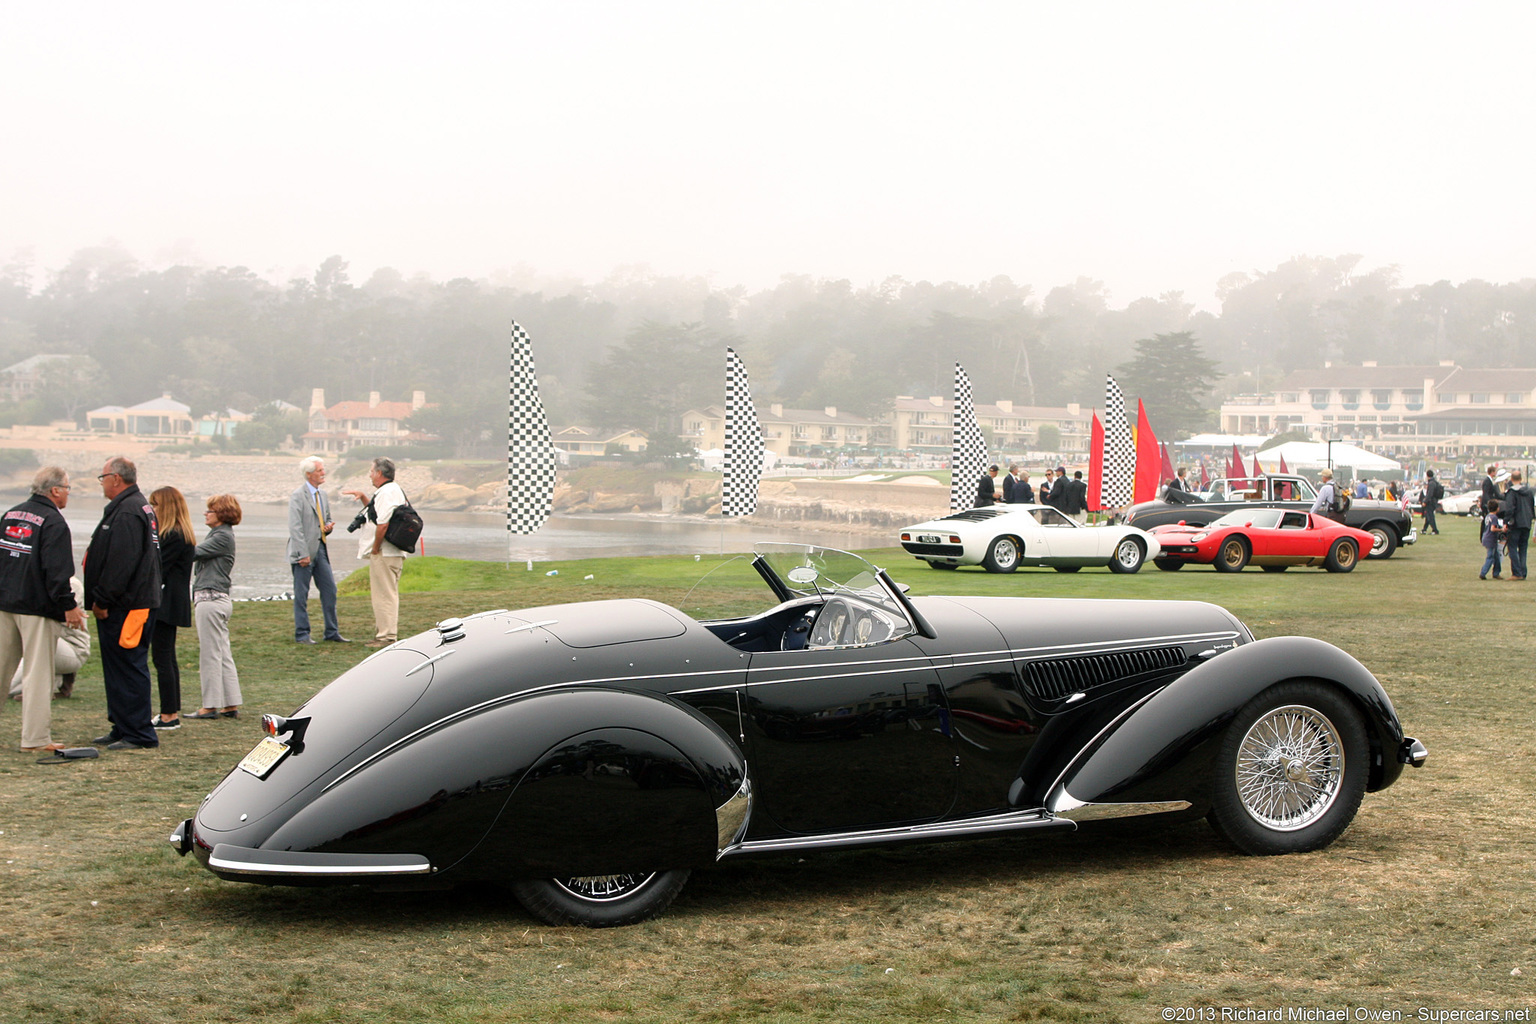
1313 455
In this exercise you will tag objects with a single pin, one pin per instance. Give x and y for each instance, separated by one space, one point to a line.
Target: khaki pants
217 676
30 638
384 583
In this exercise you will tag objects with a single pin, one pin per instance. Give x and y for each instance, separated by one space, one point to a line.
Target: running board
1014 821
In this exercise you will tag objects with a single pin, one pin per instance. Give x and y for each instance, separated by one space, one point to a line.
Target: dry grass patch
1426 900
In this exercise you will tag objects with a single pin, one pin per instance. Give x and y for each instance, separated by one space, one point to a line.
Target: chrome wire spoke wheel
1290 766
602 888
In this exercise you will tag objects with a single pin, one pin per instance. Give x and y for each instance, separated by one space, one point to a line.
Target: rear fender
1164 749
478 790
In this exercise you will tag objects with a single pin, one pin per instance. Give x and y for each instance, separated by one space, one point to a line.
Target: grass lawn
1426 901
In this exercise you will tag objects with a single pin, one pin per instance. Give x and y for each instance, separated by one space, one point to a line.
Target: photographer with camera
385 560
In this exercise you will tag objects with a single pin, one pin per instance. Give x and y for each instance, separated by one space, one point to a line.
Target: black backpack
404 528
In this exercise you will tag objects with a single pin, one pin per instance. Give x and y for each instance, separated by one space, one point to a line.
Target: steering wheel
799 632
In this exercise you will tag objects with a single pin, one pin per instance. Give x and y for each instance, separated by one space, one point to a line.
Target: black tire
1291 770
1066 568
1128 557
1274 568
1168 564
1232 555
1386 540
600 901
943 565
1003 554
1342 557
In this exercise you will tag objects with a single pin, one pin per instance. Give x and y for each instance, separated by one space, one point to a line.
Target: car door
843 736
1063 539
1294 539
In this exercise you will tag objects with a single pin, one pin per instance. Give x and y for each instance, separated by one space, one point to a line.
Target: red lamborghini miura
1272 538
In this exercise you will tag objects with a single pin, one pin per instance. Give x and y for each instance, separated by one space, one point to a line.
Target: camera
358 521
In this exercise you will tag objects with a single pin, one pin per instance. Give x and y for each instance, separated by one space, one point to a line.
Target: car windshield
792 571
1263 518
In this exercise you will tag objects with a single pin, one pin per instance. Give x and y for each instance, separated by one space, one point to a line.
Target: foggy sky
1154 147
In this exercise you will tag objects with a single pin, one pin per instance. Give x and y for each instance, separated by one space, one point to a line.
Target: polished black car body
1388 522
592 754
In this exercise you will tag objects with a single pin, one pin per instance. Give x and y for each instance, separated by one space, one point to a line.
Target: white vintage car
1004 537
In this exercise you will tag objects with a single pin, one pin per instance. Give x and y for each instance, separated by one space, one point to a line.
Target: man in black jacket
1428 503
1518 512
122 589
36 562
1075 502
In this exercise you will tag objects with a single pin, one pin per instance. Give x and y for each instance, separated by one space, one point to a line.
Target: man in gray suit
309 524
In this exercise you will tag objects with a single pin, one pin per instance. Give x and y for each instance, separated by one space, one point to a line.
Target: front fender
1164 750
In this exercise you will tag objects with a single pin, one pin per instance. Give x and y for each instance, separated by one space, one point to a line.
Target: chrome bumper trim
1412 752
240 860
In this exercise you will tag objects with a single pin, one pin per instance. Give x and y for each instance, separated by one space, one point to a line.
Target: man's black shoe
337 639
130 745
102 741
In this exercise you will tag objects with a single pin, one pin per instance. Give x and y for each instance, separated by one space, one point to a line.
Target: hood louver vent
1053 680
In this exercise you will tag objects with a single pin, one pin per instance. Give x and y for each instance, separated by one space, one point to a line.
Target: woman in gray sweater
211 564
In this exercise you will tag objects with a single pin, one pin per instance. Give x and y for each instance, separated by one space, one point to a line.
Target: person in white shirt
385 561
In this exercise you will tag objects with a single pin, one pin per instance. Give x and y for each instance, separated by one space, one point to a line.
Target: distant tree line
637 350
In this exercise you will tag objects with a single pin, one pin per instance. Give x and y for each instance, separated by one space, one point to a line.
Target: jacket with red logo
36 560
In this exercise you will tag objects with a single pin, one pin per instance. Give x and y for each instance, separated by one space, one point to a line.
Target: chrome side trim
731 818
1012 821
1095 812
241 860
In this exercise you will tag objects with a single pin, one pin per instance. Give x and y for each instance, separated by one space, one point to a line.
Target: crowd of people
1070 497
146 575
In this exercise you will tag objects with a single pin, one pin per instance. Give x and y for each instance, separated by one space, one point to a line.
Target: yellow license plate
264 757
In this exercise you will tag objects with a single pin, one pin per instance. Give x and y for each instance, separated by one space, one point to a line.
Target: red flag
1205 478
1235 468
1149 461
1282 465
1167 469
1258 470
1095 464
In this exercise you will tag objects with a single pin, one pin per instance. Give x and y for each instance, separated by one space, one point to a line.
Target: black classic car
1387 521
591 755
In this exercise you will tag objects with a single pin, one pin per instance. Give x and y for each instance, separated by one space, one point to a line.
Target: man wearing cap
36 600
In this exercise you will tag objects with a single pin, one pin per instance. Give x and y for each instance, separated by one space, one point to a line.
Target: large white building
1443 409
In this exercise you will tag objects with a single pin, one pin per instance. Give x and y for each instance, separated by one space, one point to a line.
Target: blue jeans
1492 561
318 569
1519 537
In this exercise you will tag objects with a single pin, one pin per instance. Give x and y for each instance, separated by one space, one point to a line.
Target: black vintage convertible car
591 755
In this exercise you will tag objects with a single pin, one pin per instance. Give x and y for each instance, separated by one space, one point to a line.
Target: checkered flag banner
1119 450
744 453
530 452
968 457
